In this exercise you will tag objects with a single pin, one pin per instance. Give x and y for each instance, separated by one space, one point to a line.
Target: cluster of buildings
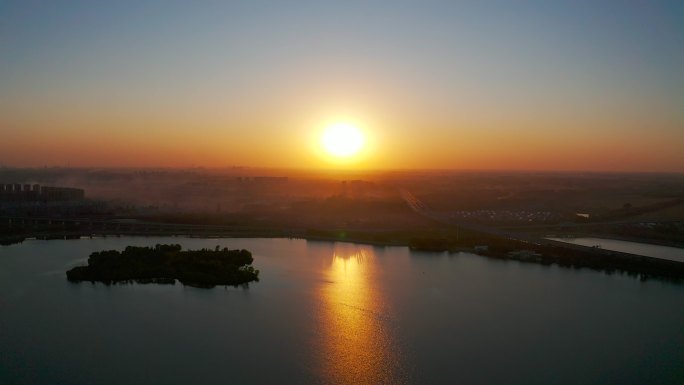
506 216
17 192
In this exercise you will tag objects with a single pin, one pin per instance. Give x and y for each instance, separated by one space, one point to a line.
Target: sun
342 140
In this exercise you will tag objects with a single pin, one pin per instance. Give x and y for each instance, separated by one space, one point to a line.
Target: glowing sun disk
342 140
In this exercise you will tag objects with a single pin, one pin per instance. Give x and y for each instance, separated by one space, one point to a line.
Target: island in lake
166 264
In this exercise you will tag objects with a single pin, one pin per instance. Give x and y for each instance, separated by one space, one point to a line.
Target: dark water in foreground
328 313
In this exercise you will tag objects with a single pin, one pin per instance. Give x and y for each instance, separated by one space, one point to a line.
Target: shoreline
8 239
559 253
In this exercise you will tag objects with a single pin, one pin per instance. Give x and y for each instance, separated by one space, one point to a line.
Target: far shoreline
322 238
562 254
309 237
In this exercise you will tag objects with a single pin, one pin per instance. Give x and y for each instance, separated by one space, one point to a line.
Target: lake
335 313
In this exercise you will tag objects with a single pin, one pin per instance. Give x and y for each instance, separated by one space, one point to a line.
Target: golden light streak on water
357 338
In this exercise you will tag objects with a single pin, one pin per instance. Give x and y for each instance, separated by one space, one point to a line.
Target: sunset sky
575 85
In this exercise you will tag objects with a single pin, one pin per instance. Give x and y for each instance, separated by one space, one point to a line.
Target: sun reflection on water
357 340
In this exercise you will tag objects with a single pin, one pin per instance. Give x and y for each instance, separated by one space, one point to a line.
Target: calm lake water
332 313
656 251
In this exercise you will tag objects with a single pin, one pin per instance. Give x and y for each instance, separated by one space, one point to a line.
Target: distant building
35 193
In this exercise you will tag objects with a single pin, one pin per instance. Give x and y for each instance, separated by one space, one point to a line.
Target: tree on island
167 263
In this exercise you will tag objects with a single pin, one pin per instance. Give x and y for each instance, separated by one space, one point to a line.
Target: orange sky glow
467 87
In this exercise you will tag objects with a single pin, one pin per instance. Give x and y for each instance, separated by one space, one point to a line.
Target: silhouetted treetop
166 263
